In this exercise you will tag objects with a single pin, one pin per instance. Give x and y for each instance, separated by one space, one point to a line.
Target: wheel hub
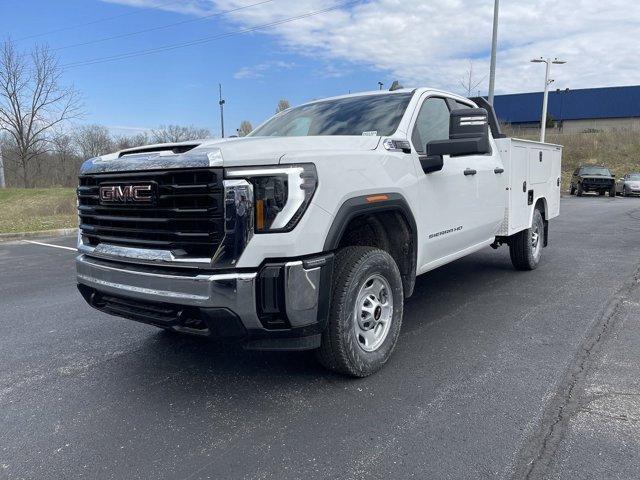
373 313
536 245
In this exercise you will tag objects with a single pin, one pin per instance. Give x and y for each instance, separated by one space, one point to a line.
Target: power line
199 41
99 20
161 27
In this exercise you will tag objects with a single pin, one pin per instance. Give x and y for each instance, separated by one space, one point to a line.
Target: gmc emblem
126 194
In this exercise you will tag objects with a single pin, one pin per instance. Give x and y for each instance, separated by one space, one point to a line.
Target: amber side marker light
377 198
260 215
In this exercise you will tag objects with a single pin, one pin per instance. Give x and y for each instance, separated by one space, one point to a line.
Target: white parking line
51 245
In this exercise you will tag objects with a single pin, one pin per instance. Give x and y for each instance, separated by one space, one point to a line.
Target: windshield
595 171
364 115
634 177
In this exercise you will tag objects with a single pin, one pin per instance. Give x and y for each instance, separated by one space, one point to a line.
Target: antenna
395 86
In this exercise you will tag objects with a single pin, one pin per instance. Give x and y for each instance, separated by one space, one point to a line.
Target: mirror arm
431 163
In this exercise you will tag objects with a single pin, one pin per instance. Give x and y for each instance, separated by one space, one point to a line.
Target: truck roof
386 92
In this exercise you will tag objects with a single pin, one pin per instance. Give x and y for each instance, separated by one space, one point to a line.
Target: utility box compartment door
518 187
540 165
556 182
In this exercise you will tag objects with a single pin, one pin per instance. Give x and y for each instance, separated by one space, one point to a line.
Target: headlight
281 193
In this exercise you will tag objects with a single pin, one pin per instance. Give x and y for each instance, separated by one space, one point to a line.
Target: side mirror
468 135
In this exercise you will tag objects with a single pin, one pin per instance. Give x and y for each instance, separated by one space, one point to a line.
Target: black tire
341 349
612 191
601 192
524 254
572 190
579 190
624 191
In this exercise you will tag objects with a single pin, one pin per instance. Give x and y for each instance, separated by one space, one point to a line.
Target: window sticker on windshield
372 133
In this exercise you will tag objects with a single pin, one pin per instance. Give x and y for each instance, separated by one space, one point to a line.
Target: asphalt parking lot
497 374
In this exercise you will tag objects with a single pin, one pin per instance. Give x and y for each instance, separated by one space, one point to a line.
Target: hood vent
175 149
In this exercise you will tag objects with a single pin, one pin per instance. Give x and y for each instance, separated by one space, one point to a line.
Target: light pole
545 96
221 102
2 182
494 47
380 84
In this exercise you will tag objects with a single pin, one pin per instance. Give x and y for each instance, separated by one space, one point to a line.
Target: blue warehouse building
581 110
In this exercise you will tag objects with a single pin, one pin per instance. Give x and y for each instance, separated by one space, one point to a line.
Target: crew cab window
432 123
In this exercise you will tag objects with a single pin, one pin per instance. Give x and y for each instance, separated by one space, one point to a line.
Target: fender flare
357 206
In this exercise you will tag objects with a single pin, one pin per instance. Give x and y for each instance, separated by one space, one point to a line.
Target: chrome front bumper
304 282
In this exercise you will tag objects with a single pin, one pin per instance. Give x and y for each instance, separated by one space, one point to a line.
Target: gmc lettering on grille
126 194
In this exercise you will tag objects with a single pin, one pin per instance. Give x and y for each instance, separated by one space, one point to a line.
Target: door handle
470 171
498 170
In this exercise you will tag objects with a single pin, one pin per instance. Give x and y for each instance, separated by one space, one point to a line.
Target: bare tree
469 82
123 142
177 133
68 162
33 101
245 128
283 104
92 141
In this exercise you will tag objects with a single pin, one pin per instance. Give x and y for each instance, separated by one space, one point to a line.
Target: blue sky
179 86
349 48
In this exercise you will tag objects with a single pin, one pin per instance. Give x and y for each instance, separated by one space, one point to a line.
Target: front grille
186 216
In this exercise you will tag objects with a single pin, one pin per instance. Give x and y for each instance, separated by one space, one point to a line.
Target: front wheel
525 247
366 312
579 190
572 190
624 191
612 191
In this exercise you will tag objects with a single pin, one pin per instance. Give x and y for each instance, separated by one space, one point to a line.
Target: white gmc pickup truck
310 232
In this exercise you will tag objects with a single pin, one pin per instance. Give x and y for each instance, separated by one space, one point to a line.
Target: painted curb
62 232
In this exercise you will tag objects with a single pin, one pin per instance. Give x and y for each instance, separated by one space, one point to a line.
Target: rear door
490 197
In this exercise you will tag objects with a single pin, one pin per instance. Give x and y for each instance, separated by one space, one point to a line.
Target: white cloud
259 70
429 43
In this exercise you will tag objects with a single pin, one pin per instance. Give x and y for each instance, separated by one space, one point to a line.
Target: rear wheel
366 312
525 247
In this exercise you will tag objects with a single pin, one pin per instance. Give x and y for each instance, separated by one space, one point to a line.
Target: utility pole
494 47
545 96
221 102
2 181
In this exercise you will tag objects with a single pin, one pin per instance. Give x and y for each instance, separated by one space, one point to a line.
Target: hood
228 152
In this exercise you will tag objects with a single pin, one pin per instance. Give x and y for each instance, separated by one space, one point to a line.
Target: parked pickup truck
310 232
